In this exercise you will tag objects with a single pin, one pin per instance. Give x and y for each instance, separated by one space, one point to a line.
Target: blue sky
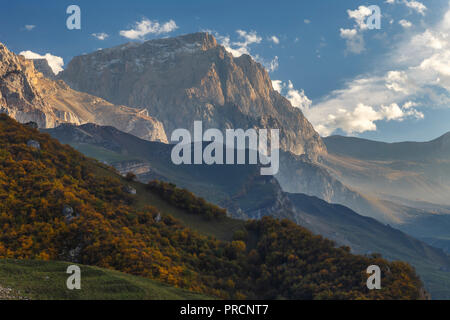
389 84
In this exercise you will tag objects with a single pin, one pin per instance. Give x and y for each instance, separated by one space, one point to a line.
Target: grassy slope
47 280
436 281
222 231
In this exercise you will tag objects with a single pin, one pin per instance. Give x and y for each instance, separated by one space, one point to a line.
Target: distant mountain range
412 178
413 173
364 149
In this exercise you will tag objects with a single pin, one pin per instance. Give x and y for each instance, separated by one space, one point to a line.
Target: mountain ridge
191 77
407 150
108 226
247 195
27 95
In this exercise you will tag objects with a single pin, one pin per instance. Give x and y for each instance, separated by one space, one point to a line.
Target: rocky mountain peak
27 96
192 77
204 40
43 67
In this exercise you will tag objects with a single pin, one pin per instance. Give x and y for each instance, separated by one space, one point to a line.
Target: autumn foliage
270 259
186 200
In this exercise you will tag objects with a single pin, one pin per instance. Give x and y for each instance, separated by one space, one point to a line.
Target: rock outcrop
28 96
192 77
69 214
130 190
42 66
134 166
34 144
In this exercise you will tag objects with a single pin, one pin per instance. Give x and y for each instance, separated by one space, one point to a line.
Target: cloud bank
408 83
56 63
146 27
100 36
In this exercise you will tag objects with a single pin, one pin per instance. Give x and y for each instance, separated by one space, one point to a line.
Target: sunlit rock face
192 77
28 96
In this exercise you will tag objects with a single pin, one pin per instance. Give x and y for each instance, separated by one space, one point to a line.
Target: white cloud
55 63
363 118
29 27
360 15
277 85
354 40
246 39
100 36
274 39
146 27
413 76
398 81
297 98
273 65
353 37
348 33
238 48
417 6
405 23
362 102
307 21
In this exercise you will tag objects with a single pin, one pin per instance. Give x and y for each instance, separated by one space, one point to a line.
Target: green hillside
243 187
56 204
46 280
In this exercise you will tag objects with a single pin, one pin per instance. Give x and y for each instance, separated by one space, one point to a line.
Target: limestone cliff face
188 78
26 95
42 66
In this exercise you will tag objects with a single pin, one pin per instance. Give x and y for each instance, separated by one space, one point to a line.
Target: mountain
221 184
26 95
408 172
180 80
410 178
248 195
57 204
42 66
298 174
364 149
191 77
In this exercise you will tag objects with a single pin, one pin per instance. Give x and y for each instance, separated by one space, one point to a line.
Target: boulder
69 213
130 190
